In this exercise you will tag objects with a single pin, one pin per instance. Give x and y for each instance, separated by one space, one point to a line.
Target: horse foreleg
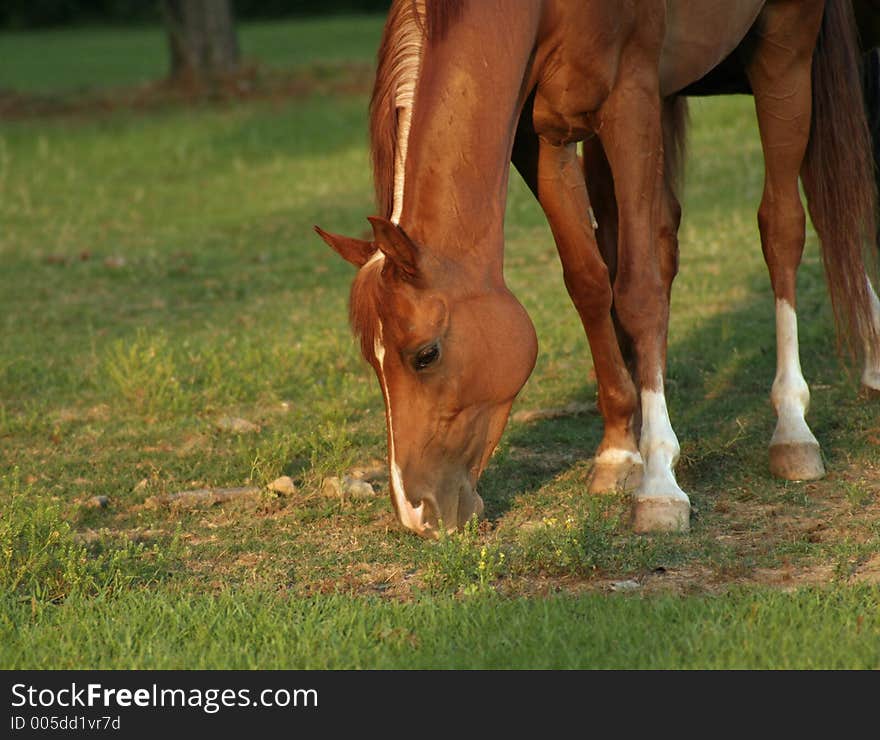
780 76
554 175
600 189
641 289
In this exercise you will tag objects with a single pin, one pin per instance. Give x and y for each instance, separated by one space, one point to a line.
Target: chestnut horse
462 87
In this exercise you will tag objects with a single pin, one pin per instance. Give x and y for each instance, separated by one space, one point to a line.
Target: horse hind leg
780 79
612 470
871 372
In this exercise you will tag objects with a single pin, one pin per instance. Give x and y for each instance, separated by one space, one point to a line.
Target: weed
330 452
594 539
858 494
42 560
459 563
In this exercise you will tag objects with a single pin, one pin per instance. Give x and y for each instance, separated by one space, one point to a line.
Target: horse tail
838 177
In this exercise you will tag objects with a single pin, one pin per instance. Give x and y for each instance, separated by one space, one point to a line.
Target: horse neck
468 98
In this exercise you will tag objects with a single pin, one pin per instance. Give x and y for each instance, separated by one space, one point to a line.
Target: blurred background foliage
22 14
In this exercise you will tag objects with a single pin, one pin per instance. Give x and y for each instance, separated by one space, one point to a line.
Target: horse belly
699 36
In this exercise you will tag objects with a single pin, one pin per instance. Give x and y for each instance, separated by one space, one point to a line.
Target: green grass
745 629
62 61
160 273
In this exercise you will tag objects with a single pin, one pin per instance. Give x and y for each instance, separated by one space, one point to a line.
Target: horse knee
639 294
590 290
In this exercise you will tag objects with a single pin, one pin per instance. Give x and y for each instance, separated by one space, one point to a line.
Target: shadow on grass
718 384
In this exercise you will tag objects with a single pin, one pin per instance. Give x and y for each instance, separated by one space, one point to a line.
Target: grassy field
95 59
161 278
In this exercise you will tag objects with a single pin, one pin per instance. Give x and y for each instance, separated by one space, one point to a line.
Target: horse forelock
364 306
410 24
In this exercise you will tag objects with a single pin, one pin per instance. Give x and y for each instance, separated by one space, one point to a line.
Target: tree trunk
202 42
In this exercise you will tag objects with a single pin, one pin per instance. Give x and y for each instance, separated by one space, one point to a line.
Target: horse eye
426 356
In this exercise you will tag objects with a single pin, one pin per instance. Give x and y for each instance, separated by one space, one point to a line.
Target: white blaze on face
790 394
410 516
407 73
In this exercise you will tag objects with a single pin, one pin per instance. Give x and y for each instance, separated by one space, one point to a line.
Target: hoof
657 514
613 477
796 461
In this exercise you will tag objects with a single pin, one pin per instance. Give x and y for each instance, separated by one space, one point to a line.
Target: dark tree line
202 39
19 14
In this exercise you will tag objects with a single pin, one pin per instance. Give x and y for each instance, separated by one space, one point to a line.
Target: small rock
283 485
98 502
370 473
625 585
357 488
346 488
332 488
237 425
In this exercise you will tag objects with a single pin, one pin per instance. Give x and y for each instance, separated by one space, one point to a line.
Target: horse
464 87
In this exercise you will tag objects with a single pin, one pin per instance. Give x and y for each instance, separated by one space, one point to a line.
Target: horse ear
356 251
396 246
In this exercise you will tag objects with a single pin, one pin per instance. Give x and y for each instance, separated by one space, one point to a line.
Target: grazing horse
462 87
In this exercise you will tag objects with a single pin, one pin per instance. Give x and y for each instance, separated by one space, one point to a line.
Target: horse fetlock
790 394
660 453
791 426
616 469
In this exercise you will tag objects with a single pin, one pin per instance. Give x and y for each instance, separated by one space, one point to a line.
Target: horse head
451 353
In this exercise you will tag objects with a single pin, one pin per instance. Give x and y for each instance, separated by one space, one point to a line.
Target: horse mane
409 24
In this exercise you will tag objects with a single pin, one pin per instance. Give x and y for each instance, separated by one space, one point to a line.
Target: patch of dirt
868 572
